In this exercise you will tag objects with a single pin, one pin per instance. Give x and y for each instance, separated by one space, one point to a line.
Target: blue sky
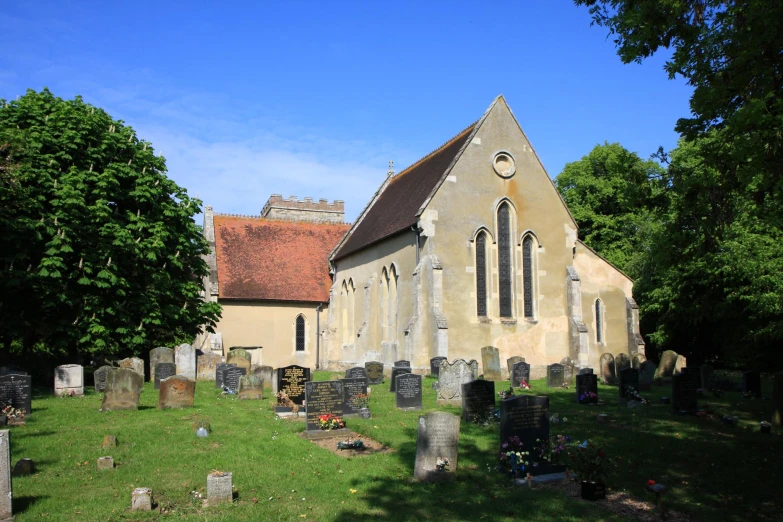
247 99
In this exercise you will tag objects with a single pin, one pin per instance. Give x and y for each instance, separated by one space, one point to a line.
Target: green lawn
714 472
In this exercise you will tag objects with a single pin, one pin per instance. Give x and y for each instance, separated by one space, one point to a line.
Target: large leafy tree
100 253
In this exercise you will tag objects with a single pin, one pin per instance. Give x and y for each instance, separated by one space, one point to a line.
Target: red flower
650 482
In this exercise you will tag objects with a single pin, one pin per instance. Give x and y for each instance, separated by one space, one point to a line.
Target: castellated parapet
292 209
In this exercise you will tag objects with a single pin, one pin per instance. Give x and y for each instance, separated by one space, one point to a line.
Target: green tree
615 197
100 251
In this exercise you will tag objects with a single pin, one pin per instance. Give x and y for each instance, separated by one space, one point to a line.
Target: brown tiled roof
274 260
396 207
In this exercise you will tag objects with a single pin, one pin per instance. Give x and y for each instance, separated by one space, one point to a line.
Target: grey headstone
569 370
68 378
160 355
206 365
185 359
490 361
621 362
141 499
133 363
374 372
608 374
16 391
520 373
322 398
242 358
681 363
637 360
511 361
351 388
220 488
99 378
438 437
219 373
478 400
291 380
666 366
6 495
163 371
267 373
555 375
408 391
357 372
251 387
395 372
123 389
176 392
586 383
452 377
435 365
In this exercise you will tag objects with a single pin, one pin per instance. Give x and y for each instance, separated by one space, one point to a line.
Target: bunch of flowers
14 413
330 421
505 394
512 457
588 397
555 418
553 449
361 400
442 464
589 462
351 444
631 392
524 385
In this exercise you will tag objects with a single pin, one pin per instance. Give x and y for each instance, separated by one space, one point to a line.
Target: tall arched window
344 313
481 275
527 275
505 266
392 303
599 326
351 311
300 333
383 302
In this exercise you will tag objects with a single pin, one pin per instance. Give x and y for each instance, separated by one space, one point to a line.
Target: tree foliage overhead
100 251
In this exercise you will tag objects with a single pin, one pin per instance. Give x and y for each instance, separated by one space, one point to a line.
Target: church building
470 246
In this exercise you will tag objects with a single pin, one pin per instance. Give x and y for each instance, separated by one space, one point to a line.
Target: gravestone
569 370
452 377
681 363
291 380
133 363
684 391
7 370
395 372
437 438
357 372
621 362
607 368
666 366
629 378
231 376
511 361
322 398
555 375
6 492
141 499
242 358
527 417
160 355
99 378
220 487
351 389
402 364
435 365
267 373
586 383
219 373
519 374
751 383
163 371
185 359
68 380
251 387
16 391
206 364
176 392
490 362
777 399
374 372
646 375
707 372
637 360
585 371
408 391
123 389
478 400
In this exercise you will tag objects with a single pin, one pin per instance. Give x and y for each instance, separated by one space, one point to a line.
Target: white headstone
69 380
185 359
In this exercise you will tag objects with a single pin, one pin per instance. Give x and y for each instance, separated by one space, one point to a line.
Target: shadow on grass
22 504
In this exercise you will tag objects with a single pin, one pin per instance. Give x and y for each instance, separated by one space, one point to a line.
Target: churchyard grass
713 471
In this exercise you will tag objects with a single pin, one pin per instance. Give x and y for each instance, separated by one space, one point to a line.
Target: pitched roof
274 260
398 201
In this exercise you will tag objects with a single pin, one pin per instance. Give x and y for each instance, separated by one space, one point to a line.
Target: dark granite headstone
219 373
585 371
751 383
586 383
408 391
159 355
352 388
435 365
357 372
322 398
16 391
527 417
291 380
402 364
684 395
395 372
163 371
374 372
231 376
555 375
520 372
607 368
478 400
646 375
438 438
629 378
511 361
99 378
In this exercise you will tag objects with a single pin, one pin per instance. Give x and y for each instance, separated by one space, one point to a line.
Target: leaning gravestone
527 417
160 355
435 365
219 373
163 371
291 380
68 380
185 359
707 371
490 362
751 383
637 360
240 357
478 401
519 374
586 384
16 391
6 492
438 438
123 389
352 388
402 364
231 377
176 392
684 391
606 363
777 399
322 398
646 375
555 375
629 379
374 372
267 373
621 362
395 372
99 378
357 372
511 361
682 362
251 387
666 366
452 377
206 364
133 363
408 391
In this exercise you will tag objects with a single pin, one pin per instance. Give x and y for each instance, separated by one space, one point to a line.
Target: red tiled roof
274 260
396 208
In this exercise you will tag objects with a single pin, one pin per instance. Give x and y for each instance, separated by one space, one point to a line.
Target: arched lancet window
392 303
527 275
383 302
300 333
344 312
481 275
351 310
505 264
599 327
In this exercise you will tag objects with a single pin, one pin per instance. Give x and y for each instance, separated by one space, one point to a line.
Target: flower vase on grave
593 491
365 413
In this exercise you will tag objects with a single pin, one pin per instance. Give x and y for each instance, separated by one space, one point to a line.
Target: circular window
504 165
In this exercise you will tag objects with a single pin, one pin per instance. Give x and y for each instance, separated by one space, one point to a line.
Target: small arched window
527 275
481 275
599 327
505 263
300 333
